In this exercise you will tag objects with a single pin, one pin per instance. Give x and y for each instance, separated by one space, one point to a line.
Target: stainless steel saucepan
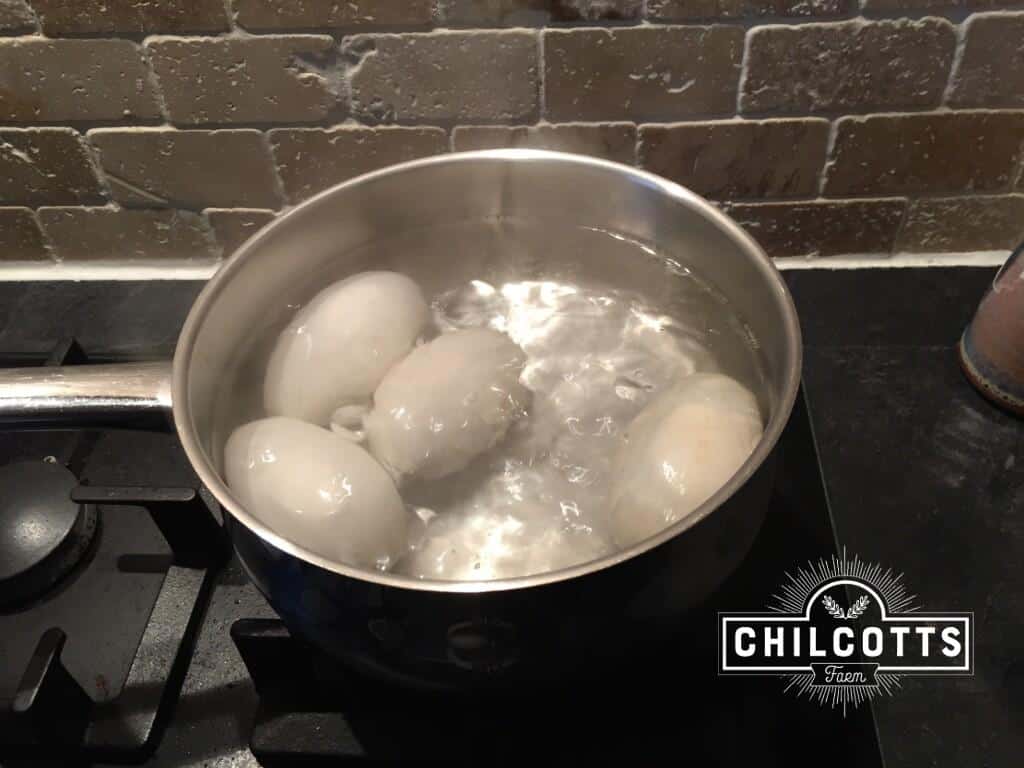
417 218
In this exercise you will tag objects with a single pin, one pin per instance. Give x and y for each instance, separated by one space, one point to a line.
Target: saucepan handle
117 394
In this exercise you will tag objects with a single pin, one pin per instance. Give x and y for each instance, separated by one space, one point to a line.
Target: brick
233 226
53 80
87 234
925 154
260 79
62 18
20 238
642 73
311 159
991 69
611 141
822 227
188 169
16 18
852 66
738 159
689 10
963 224
488 76
276 15
527 13
46 166
903 6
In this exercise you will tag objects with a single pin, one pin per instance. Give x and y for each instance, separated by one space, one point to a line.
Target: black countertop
926 477
923 475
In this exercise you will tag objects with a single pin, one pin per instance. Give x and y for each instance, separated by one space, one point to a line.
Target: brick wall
176 128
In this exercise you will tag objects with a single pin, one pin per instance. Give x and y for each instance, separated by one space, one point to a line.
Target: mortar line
48 245
279 190
954 66
154 82
92 152
229 10
744 68
542 77
830 148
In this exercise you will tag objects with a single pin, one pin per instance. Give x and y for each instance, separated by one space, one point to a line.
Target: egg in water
318 490
449 401
337 348
679 451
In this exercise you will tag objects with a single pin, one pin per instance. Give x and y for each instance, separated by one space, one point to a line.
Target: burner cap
43 534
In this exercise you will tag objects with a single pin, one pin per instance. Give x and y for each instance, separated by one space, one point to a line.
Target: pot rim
210 292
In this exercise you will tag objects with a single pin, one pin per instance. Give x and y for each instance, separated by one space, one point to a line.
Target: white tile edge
899 260
13 271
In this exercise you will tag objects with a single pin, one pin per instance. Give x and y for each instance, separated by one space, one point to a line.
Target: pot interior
495 216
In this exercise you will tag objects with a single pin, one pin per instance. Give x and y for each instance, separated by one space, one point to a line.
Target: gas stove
108 553
129 636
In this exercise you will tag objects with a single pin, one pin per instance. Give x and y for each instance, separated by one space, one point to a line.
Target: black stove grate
94 665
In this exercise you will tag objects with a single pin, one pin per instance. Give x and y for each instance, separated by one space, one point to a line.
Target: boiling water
596 355
606 324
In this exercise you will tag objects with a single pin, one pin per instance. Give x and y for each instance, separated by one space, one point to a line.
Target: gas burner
43 533
102 588
54 712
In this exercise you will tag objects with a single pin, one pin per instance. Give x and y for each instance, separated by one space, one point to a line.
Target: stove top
101 591
146 646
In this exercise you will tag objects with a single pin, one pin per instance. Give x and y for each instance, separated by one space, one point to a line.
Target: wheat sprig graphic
859 606
833 608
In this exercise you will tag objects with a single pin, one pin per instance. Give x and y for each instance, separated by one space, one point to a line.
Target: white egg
447 402
498 544
338 347
679 451
318 490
